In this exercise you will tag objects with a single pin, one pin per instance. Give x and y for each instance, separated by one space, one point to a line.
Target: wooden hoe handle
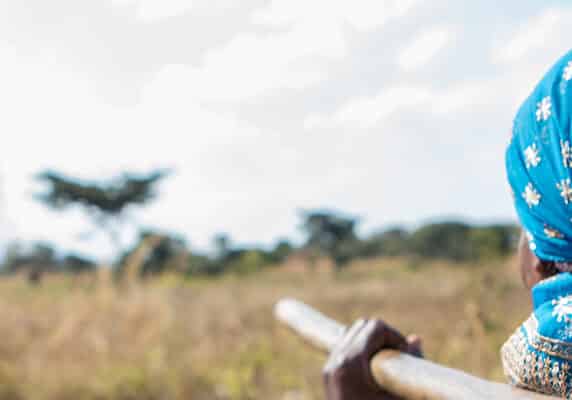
403 375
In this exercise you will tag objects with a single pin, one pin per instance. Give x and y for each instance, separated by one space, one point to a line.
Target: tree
223 247
281 251
106 203
76 264
248 262
202 265
446 240
34 261
459 241
390 243
331 234
493 240
163 252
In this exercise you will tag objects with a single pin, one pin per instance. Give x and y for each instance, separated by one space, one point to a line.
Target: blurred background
171 168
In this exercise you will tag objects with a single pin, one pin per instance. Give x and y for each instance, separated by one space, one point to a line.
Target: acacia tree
106 203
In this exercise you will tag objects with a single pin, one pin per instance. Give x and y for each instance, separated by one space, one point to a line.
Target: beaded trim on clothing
535 370
553 347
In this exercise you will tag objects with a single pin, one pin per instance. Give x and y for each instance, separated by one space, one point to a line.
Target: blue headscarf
539 164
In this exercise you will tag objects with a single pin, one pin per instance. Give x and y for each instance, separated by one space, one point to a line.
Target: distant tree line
328 234
39 258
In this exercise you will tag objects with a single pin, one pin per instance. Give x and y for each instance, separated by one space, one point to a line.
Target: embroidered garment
539 164
538 356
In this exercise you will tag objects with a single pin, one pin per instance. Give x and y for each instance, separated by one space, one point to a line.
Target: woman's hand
347 374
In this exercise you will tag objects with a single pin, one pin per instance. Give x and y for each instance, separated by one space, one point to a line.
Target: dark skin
532 269
346 373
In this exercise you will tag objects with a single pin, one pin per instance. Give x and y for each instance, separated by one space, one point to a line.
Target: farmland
176 338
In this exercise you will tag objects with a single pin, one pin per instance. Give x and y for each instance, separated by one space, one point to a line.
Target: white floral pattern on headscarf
539 164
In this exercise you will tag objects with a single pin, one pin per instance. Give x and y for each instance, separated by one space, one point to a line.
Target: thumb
414 345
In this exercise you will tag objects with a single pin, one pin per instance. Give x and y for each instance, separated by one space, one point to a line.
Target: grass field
216 339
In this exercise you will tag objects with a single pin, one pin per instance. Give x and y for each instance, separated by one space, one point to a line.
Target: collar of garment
551 289
552 300
538 356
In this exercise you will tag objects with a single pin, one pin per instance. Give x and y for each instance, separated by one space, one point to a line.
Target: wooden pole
401 374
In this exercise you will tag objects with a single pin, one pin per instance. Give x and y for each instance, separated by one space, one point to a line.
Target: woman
538 356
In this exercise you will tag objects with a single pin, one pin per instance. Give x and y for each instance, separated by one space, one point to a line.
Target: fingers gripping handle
321 331
402 374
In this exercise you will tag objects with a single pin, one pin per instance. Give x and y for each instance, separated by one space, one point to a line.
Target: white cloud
153 10
465 96
251 64
424 47
538 32
149 10
368 111
296 56
363 14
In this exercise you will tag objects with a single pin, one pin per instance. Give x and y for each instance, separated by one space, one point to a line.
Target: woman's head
539 169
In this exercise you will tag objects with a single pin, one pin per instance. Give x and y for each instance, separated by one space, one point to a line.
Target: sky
394 111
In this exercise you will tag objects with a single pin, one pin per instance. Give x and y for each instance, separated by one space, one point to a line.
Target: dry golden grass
176 339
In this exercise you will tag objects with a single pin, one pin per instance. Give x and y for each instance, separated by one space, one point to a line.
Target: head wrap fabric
539 164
